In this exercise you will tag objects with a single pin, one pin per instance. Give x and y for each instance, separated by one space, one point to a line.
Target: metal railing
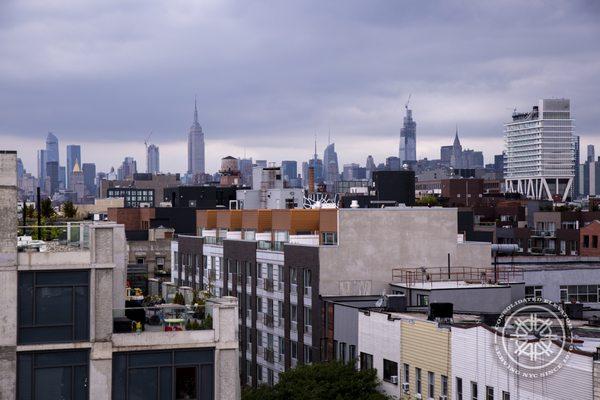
499 274
66 237
161 318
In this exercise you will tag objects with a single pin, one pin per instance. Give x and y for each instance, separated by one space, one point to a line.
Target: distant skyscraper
456 158
152 160
331 171
370 166
393 164
540 156
289 169
575 189
196 161
52 173
408 139
127 169
591 153
246 171
499 163
20 172
261 163
73 154
446 155
78 181
52 148
89 179
62 177
41 167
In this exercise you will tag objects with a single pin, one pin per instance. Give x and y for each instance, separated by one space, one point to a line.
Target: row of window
475 395
568 293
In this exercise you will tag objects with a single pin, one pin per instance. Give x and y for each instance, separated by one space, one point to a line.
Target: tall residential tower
152 159
540 155
196 147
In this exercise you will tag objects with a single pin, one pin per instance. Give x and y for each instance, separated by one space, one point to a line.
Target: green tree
321 381
69 210
47 209
427 200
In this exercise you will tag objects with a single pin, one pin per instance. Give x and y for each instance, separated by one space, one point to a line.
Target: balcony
269 355
268 320
54 238
543 233
268 284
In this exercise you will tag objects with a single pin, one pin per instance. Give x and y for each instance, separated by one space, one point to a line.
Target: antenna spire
195 110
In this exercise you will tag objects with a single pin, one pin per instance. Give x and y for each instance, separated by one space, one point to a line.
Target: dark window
406 373
489 393
459 389
532 292
366 361
418 379
474 393
52 375
352 353
390 369
505 396
595 242
444 380
586 241
431 384
179 374
53 306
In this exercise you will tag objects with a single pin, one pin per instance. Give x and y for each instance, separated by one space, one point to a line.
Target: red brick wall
591 245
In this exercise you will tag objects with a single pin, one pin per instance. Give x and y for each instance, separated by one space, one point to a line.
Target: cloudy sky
270 74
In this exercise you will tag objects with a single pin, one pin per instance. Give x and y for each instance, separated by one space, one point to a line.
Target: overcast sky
270 74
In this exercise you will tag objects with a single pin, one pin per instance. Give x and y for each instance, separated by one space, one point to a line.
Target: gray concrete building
66 332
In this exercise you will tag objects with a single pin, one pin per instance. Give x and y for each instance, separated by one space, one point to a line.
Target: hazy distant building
245 165
89 179
591 152
446 155
393 164
196 160
152 160
52 148
408 139
62 177
576 189
127 169
73 154
78 181
51 177
331 171
499 163
370 166
540 156
456 157
261 163
289 169
41 166
20 171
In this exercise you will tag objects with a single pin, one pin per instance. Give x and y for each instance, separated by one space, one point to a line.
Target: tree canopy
69 210
320 381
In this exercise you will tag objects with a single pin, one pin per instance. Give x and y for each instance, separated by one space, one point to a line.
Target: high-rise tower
540 153
51 147
73 154
152 159
408 138
196 147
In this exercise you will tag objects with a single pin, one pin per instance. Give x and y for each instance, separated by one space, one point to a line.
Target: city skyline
246 102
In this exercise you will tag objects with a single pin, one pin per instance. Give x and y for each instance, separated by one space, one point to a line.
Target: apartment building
279 263
66 331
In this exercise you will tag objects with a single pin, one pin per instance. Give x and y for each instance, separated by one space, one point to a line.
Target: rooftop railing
497 275
161 318
55 238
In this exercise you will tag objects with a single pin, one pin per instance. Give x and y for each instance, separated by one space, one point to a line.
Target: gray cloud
269 74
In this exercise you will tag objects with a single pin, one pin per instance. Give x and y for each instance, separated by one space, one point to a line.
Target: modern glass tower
196 147
540 151
152 160
408 139
51 147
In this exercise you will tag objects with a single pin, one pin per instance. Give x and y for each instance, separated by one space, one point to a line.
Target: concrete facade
371 243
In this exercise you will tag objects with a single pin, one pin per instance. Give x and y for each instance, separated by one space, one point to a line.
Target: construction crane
407 101
146 141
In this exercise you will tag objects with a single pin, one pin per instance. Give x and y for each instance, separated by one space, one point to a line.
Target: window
390 368
140 260
294 312
586 241
53 306
294 348
431 384
160 263
270 377
293 276
307 354
259 273
329 238
366 361
418 380
53 374
270 271
459 389
505 396
595 242
422 300
489 393
532 292
580 293
473 390
183 374
406 373
351 353
343 352
259 304
307 316
335 350
307 276
281 343
259 373
444 380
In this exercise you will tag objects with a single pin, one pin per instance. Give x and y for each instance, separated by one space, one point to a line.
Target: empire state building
196 147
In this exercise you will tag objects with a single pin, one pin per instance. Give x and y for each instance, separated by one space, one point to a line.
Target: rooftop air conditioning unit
394 379
405 387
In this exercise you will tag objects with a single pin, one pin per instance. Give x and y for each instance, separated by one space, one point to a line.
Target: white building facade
540 154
